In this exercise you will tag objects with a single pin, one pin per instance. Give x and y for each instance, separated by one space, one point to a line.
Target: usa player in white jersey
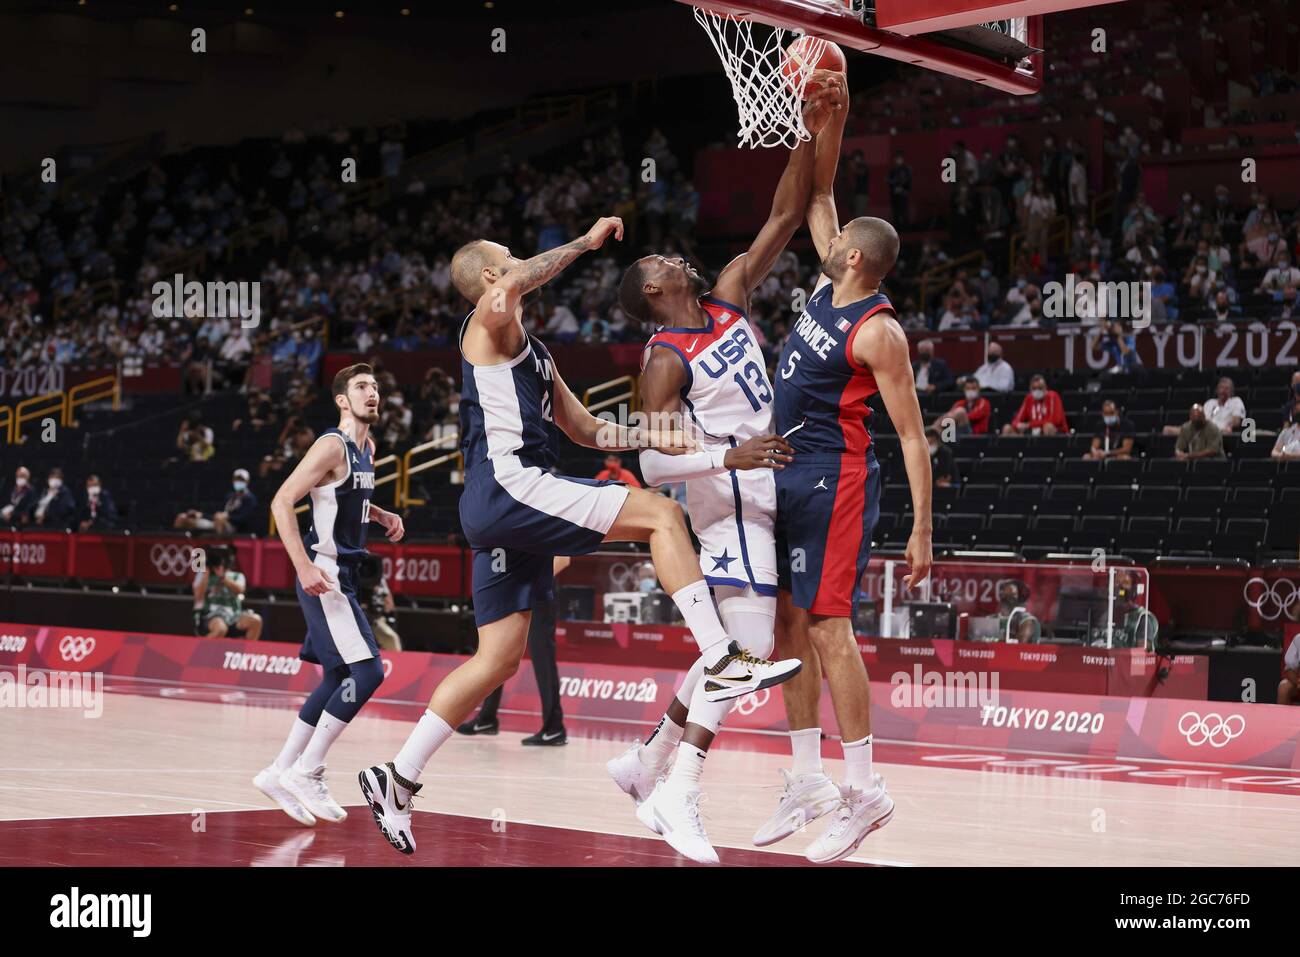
703 367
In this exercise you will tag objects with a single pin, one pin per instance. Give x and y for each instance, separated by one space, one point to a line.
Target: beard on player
834 265
368 413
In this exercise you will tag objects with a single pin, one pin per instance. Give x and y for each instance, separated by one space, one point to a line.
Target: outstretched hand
828 92
601 230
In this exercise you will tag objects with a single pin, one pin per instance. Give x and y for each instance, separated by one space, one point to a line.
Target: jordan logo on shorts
821 483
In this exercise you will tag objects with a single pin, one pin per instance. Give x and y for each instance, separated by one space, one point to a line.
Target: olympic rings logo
1271 600
748 704
1213 729
76 647
171 559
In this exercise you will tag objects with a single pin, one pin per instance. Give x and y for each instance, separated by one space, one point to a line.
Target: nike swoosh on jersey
691 348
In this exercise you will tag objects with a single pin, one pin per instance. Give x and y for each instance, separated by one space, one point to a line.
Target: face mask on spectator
21 481
993 358
1110 419
1022 283
934 448
239 485
972 394
1038 393
56 483
92 491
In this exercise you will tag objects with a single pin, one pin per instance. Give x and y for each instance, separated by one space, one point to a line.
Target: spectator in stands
194 439
1121 347
21 498
995 373
98 511
1199 438
219 598
1115 438
1224 307
1042 412
614 472
260 412
55 507
235 516
1164 296
971 413
1287 446
1280 276
943 464
932 374
1040 210
1262 243
900 191
1226 410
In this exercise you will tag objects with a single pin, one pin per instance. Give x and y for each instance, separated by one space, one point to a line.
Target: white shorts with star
733 515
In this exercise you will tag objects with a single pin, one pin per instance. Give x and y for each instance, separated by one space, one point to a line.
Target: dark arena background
207 210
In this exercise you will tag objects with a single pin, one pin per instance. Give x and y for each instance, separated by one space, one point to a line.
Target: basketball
799 53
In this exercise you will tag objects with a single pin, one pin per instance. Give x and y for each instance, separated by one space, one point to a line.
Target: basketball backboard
997 44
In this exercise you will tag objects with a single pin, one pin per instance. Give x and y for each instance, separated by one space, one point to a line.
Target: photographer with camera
219 598
376 598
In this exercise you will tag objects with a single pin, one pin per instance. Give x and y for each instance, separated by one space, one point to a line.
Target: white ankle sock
696 606
659 747
426 738
806 746
299 735
328 728
688 767
857 764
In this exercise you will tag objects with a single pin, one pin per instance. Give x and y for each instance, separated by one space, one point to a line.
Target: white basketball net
769 102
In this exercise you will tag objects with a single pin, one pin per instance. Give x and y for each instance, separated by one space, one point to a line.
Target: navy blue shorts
826 509
517 519
337 630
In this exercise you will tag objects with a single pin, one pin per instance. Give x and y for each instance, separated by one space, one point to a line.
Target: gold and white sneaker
738 673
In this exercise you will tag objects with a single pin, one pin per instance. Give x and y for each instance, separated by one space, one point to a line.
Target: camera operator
219 598
374 595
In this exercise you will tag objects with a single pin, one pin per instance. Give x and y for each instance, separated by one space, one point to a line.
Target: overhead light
338 14
172 7
248 11
406 11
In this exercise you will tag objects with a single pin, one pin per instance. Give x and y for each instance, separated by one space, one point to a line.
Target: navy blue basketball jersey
821 391
340 511
505 409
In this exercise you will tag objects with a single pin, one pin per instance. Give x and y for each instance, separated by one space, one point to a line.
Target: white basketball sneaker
310 790
858 815
268 782
806 797
738 673
379 785
632 775
675 814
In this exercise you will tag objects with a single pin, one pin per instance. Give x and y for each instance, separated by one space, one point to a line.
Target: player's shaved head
876 242
467 267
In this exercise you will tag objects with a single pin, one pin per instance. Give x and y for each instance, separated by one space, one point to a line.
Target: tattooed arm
496 307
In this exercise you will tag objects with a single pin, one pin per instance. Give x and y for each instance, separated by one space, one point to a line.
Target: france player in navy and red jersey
846 347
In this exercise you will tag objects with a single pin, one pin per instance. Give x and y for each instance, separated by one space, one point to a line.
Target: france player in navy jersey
518 515
845 347
338 474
